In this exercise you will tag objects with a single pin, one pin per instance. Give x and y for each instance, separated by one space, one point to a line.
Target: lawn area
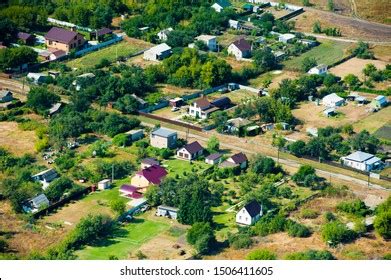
225 221
178 167
91 59
125 240
327 52
236 96
375 121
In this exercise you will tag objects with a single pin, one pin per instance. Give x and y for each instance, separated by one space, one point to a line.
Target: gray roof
163 132
359 156
39 200
47 175
4 93
214 156
55 108
164 207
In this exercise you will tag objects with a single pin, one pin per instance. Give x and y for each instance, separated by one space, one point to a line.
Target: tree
213 144
362 51
264 165
308 63
118 206
264 59
15 57
57 188
297 148
122 140
8 30
262 254
355 207
127 104
364 142
240 240
352 81
330 5
306 3
201 236
302 173
41 100
382 224
279 142
335 232
369 69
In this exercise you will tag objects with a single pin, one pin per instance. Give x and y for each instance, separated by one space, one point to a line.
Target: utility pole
112 173
369 176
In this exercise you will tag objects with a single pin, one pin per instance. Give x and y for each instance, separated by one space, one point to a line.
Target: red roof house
152 175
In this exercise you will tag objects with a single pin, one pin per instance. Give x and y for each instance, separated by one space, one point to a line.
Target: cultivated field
374 121
355 66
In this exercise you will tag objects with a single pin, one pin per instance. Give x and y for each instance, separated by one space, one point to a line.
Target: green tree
57 188
279 141
264 59
213 144
264 165
201 236
15 57
118 206
308 63
335 232
262 254
297 148
352 81
330 5
317 28
382 224
127 104
41 100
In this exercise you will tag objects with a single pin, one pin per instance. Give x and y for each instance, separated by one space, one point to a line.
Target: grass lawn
176 166
125 240
327 52
225 221
91 59
375 121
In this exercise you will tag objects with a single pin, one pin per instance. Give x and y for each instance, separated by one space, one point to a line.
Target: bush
122 140
382 224
328 216
201 236
355 207
118 206
306 213
263 254
310 255
269 224
335 232
3 245
297 230
240 240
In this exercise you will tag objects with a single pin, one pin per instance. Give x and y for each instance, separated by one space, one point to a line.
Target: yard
236 96
355 66
180 167
327 53
275 77
375 121
123 48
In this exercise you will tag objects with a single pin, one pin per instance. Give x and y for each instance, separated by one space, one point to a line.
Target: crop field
355 66
384 132
327 53
374 121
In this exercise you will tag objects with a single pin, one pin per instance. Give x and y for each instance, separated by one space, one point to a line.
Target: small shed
5 96
176 102
213 158
329 112
167 211
148 162
135 134
380 101
104 184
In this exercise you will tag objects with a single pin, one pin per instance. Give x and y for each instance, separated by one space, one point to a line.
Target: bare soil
355 66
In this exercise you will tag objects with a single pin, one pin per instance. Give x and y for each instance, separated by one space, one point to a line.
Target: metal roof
163 132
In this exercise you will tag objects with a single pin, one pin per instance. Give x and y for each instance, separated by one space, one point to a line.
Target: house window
50 42
240 217
246 219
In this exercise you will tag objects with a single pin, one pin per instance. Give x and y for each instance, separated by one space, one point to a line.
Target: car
174 109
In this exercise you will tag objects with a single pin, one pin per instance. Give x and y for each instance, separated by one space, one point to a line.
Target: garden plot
355 66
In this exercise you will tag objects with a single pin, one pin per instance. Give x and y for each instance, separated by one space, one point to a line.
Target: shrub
122 140
306 213
355 207
3 245
263 254
297 230
269 224
118 206
310 255
201 236
335 232
382 224
328 216
240 240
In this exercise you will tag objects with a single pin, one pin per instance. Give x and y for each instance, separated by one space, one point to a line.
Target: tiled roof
24 36
222 102
253 208
239 158
193 147
61 35
154 174
203 103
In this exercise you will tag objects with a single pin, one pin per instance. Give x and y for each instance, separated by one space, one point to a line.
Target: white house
158 52
209 40
5 96
318 70
240 49
332 100
249 214
163 34
190 151
213 159
37 78
220 5
239 159
362 161
45 177
234 24
104 184
201 108
286 38
167 211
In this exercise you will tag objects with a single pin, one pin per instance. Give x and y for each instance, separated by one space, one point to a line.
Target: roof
253 208
55 108
150 161
61 35
127 188
214 156
104 181
247 6
203 103
320 66
329 110
169 208
39 200
359 156
239 158
24 36
134 131
103 31
164 132
333 98
4 93
227 163
48 175
154 174
193 147
160 48
287 36
36 76
380 98
222 102
58 53
205 37
166 31
223 3
242 45
86 75
239 122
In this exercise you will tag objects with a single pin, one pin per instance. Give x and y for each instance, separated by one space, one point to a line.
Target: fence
68 24
174 122
341 61
99 46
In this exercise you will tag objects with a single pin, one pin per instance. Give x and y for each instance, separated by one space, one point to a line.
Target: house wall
184 154
163 212
354 164
243 217
75 43
217 7
159 142
196 112
139 181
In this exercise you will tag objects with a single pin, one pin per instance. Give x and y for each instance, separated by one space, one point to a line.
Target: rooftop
164 132
205 37
61 35
203 103
214 156
160 48
193 147
359 156
253 208
242 45
239 158
154 174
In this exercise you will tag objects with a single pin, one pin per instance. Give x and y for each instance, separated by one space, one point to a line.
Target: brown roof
242 45
60 35
103 31
239 158
25 36
193 147
203 103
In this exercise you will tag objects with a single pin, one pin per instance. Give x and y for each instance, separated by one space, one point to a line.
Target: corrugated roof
163 132
359 156
239 158
203 103
61 35
253 208
214 156
154 174
160 48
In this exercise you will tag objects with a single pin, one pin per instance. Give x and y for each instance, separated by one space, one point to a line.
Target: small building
135 134
309 43
163 138
201 108
54 74
130 191
158 52
209 40
142 102
100 34
62 39
333 100
236 125
318 70
55 109
222 103
37 78
167 211
176 102
248 7
220 5
104 184
240 49
213 158
362 161
249 214
279 55
6 96
379 102
45 177
234 24
163 34
286 38
35 204
329 112
148 162
26 38
313 131
152 175
267 127
239 159
56 54
190 151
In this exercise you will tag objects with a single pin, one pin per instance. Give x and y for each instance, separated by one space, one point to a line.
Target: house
279 55
45 177
130 191
167 211
213 158
220 5
209 40
62 39
152 175
163 34
248 7
158 52
201 108
148 162
35 204
362 161
309 43
379 102
37 78
234 24
190 151
249 214
26 38
329 112
104 184
318 70
222 103
163 138
5 96
286 38
55 108
135 134
176 102
239 159
56 54
99 34
333 100
236 125
240 49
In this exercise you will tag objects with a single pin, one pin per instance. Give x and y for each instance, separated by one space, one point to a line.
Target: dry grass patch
355 66
16 141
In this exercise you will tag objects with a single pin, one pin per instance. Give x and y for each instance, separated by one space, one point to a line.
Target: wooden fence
174 122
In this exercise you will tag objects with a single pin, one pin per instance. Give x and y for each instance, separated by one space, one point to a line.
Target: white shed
104 184
158 52
332 100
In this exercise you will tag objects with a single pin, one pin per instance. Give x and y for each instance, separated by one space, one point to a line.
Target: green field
110 53
125 240
327 53
178 167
